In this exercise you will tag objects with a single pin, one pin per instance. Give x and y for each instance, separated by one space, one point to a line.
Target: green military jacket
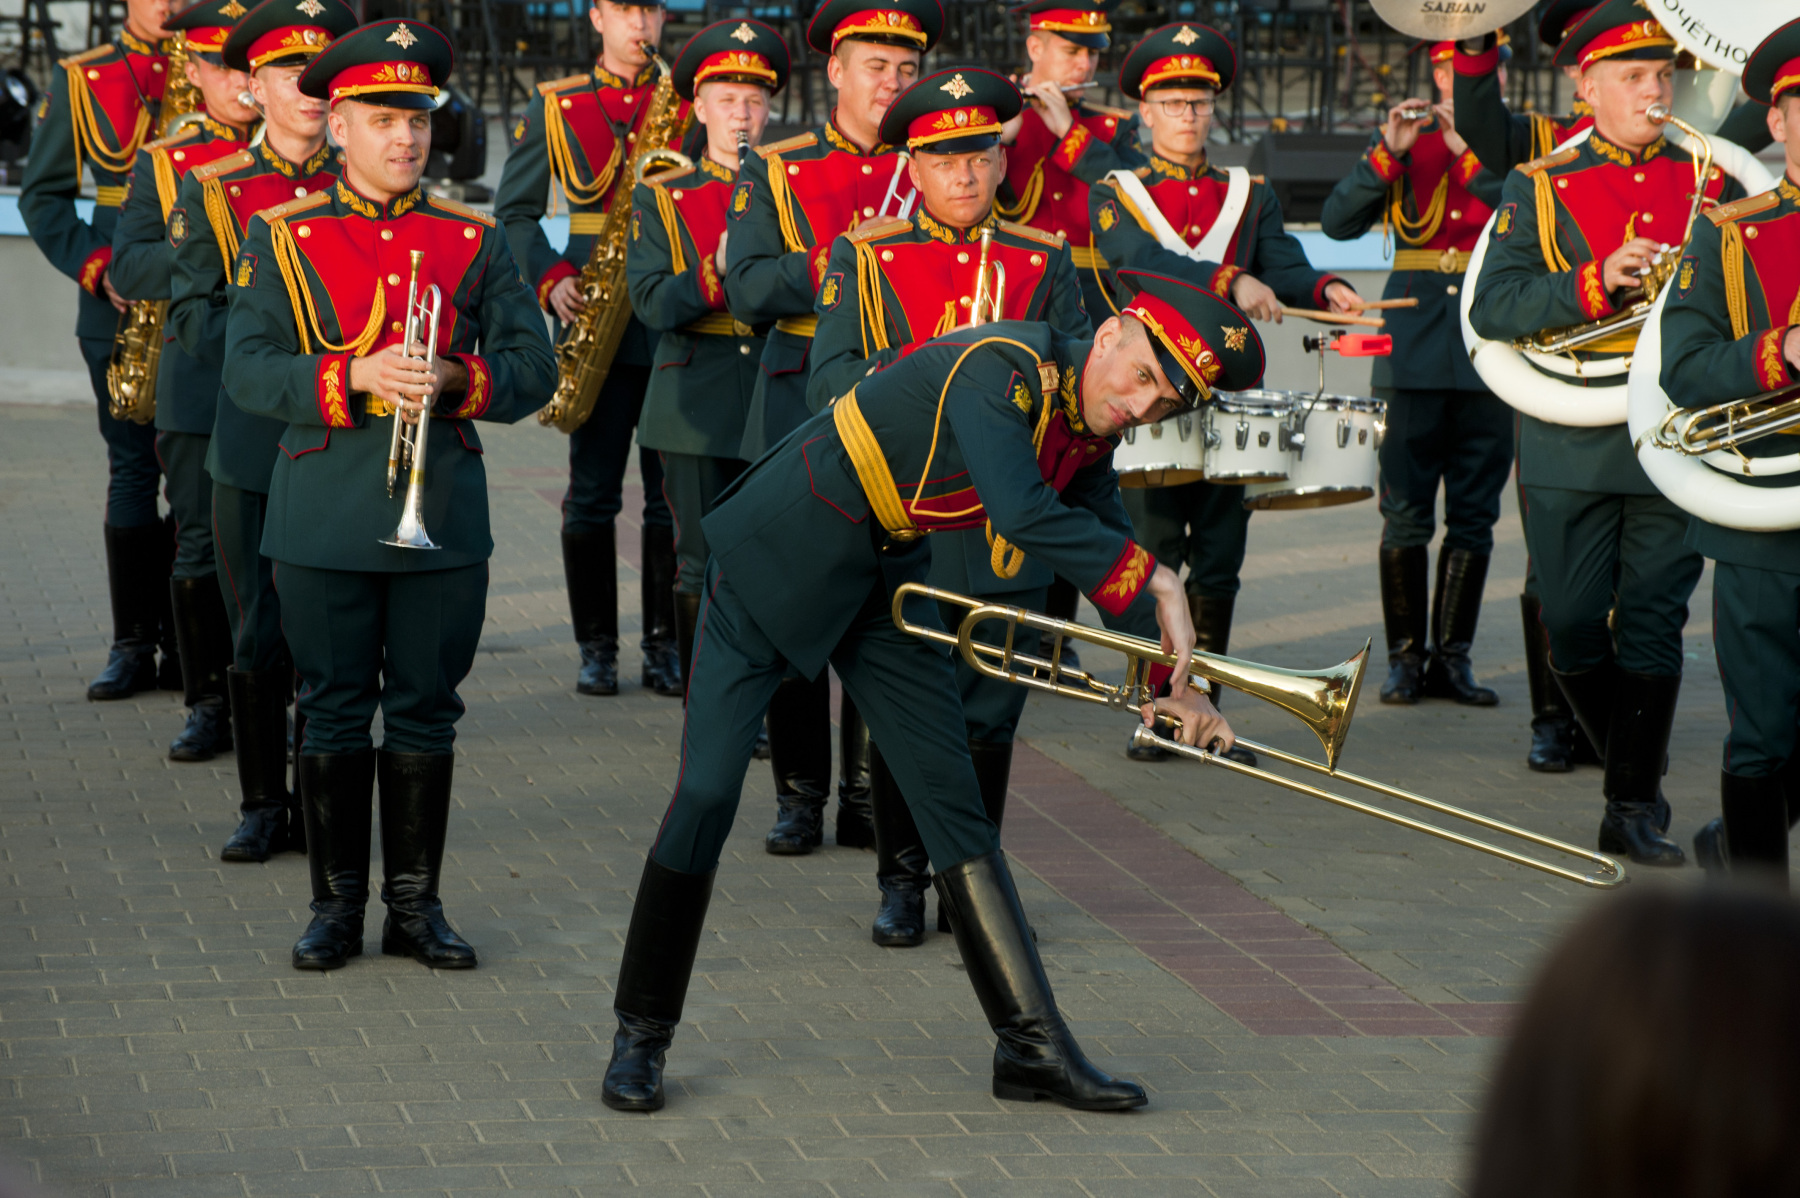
151 227
216 202
1724 328
581 134
95 118
905 282
1434 204
974 428
1191 201
706 363
1538 276
792 199
317 283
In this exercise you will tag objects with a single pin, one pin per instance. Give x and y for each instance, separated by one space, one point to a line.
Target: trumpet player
579 138
891 287
1180 215
323 333
1728 332
794 197
272 44
94 118
1011 423
1577 238
707 362
151 224
1444 427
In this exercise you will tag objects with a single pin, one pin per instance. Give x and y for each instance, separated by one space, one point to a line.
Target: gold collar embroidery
130 43
1788 191
605 78
282 166
948 234
838 140
220 129
398 206
1622 156
714 169
1070 391
1163 166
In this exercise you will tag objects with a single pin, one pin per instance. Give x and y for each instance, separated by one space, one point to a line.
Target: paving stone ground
1311 997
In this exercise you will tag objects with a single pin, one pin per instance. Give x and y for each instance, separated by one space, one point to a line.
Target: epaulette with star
1043 237
458 209
790 143
1559 158
1748 206
222 166
885 229
556 85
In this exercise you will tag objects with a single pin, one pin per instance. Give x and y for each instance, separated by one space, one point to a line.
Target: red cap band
1622 39
968 121
1168 326
289 41
1071 20
208 39
383 77
741 65
1195 67
1788 76
879 22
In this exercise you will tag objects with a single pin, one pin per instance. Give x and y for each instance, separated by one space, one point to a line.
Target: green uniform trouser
1461 440
1598 552
991 708
188 488
247 579
1204 525
1756 635
692 484
903 686
131 466
398 641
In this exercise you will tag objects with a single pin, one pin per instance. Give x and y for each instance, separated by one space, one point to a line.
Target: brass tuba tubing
1324 700
1730 425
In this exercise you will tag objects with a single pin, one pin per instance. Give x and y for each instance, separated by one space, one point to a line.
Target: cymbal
1449 20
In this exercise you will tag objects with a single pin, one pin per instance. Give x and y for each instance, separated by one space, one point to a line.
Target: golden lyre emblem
402 36
1187 36
744 33
957 87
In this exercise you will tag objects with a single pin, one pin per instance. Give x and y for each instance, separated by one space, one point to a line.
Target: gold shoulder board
665 175
556 85
185 133
791 143
221 166
459 209
885 229
1748 206
1549 160
99 51
298 204
1053 240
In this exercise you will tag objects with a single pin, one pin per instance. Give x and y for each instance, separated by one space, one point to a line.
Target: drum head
1168 476
1289 499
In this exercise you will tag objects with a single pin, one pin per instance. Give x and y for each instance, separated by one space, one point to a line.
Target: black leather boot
204 635
800 754
855 823
687 621
667 919
415 820
168 671
1403 600
662 650
1592 696
296 806
1455 610
133 556
1036 1056
902 870
591 566
339 791
993 771
259 713
1756 828
1637 746
1212 634
1553 725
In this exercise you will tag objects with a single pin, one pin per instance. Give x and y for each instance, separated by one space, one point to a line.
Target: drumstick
1373 322
1384 305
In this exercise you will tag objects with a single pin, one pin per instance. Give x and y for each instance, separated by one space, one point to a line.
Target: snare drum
1163 454
1334 438
1244 441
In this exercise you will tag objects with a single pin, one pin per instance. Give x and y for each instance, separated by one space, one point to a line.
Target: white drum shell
1244 442
1164 454
1336 463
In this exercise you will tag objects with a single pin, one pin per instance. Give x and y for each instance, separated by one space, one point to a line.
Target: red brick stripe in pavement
1261 967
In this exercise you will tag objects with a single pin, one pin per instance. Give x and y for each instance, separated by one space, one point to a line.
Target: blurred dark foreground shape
1658 1056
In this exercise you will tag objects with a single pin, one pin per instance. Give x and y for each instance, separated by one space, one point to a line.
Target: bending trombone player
807 551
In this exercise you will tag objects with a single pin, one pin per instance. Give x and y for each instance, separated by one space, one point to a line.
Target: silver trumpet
407 446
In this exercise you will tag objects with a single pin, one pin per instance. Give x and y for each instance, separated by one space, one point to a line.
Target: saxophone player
707 362
794 198
1728 332
273 42
889 288
96 118
584 138
1576 234
151 226
317 337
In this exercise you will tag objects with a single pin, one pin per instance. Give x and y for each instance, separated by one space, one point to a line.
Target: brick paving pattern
1311 997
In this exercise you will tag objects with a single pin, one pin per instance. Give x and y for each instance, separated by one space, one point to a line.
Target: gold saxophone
585 351
137 346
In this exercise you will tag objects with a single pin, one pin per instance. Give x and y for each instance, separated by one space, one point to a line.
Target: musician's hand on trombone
1176 620
1201 723
1625 267
565 300
1255 298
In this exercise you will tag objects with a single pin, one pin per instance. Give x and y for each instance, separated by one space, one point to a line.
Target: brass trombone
407 445
1323 700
